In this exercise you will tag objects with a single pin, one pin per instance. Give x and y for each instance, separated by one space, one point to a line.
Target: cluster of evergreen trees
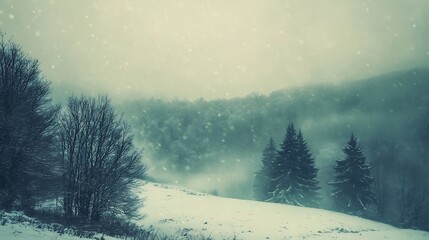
289 175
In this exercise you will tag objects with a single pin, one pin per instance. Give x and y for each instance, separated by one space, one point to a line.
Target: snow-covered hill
16 226
176 211
181 213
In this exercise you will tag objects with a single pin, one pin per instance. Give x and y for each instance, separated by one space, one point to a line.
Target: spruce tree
262 177
286 180
352 185
293 174
308 173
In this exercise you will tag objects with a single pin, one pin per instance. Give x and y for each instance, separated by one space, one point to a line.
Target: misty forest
214 120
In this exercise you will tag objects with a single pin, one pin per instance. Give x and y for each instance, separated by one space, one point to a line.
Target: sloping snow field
27 228
176 211
181 213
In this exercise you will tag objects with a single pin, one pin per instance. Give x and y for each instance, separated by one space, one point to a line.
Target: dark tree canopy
284 185
293 173
352 185
308 173
262 177
100 161
27 128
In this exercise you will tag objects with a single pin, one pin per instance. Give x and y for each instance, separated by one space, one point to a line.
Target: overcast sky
214 49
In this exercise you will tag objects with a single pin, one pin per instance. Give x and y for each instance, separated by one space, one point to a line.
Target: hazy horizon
346 128
202 49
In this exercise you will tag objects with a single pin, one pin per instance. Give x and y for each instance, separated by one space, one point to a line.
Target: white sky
214 49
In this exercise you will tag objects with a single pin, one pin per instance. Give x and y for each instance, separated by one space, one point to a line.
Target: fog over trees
313 104
217 146
262 180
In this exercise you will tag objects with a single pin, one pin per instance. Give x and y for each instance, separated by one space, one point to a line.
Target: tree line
82 154
289 175
198 133
389 112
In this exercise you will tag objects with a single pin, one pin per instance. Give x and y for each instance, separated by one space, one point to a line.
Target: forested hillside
225 138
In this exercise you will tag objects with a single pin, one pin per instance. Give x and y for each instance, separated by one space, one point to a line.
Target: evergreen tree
352 185
262 177
308 173
293 174
286 179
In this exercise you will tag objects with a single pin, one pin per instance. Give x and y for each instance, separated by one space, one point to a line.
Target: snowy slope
16 226
173 210
181 213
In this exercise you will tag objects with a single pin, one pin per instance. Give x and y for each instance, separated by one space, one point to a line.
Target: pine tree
286 180
262 177
308 173
352 185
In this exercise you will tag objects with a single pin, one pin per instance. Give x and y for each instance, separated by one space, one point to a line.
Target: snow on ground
181 213
28 228
176 211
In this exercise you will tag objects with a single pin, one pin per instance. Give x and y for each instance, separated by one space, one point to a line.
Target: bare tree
27 128
413 194
100 161
384 154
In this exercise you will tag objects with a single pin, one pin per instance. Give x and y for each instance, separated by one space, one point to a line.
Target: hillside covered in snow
17 226
176 211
